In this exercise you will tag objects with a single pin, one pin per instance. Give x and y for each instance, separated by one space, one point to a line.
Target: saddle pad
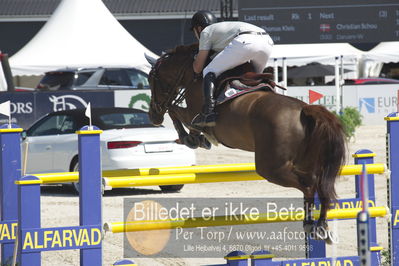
235 88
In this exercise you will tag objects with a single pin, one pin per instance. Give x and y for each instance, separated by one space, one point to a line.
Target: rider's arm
199 61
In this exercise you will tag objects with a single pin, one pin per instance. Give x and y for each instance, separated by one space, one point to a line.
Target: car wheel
171 188
75 185
75 168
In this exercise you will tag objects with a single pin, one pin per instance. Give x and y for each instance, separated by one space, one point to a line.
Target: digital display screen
322 21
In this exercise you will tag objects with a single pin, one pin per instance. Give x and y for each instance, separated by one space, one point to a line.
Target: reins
173 96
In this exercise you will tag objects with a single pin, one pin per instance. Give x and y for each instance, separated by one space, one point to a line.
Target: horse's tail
327 147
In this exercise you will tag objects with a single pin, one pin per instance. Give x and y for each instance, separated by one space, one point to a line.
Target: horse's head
172 71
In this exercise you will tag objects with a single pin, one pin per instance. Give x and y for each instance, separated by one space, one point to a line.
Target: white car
129 141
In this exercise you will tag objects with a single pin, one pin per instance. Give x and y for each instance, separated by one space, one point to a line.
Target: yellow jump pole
190 171
212 177
195 169
346 170
120 227
65 177
196 178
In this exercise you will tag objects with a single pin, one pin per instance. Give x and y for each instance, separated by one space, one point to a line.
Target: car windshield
53 125
56 81
115 77
82 77
122 120
138 79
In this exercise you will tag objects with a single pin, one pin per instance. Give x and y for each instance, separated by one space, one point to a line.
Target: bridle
173 96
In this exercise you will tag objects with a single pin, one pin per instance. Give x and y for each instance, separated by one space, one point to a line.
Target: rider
235 43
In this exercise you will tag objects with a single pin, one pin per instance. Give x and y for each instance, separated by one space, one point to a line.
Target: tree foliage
350 119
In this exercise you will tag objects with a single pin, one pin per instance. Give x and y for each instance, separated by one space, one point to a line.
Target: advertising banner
21 108
27 107
374 102
138 99
324 95
47 102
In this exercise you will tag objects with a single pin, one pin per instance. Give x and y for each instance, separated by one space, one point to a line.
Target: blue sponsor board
395 217
60 238
8 231
340 261
21 108
27 107
48 102
351 203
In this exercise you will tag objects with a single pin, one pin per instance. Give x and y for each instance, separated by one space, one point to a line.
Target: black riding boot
207 118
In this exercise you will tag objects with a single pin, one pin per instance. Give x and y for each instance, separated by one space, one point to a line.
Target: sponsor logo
368 104
61 238
21 107
378 105
230 92
314 96
140 101
67 102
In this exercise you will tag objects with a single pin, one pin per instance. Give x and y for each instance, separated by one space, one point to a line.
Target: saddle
230 87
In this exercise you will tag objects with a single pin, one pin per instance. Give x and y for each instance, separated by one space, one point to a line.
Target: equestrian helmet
203 18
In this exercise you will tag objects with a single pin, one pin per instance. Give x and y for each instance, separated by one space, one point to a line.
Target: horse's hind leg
284 173
322 231
319 230
308 222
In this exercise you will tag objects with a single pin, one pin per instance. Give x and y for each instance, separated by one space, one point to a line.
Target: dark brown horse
295 144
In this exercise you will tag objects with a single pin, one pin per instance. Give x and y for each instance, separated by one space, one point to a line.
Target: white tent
323 53
3 82
385 52
80 33
373 60
338 54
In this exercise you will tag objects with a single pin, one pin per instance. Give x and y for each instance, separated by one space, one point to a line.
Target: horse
295 144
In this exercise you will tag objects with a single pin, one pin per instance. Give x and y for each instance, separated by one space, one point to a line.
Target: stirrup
204 120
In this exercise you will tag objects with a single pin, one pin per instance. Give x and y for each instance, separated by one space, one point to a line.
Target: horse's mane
184 49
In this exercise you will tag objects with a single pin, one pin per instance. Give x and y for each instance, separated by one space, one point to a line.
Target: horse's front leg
179 129
200 139
193 139
189 140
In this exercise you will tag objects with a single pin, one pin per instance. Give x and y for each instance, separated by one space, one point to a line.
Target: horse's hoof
332 238
308 227
318 233
205 143
321 233
191 141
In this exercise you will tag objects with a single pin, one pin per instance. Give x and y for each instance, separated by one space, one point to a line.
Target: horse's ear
150 59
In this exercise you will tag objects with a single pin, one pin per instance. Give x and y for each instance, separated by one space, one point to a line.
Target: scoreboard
321 21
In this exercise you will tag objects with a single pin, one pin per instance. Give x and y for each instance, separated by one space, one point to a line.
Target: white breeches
243 48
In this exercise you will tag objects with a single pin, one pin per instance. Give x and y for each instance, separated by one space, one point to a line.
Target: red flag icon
325 27
314 96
